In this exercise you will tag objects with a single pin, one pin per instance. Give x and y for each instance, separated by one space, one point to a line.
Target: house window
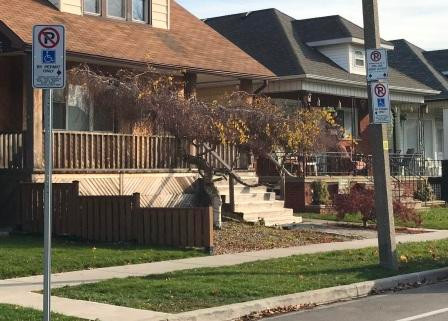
359 58
116 8
132 10
348 121
92 6
72 109
139 10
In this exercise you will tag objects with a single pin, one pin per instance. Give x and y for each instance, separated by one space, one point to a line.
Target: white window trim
358 55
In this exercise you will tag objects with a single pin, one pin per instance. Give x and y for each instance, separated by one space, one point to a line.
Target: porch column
245 161
397 130
445 134
32 104
246 85
191 80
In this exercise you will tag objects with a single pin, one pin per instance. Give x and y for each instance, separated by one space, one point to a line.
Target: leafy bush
321 196
424 192
361 200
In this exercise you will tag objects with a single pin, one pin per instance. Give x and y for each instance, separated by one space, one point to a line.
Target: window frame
358 55
128 11
96 14
146 12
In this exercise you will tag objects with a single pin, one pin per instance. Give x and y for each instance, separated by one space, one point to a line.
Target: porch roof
189 44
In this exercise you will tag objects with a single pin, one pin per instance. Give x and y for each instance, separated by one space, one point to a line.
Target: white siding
338 53
160 14
70 6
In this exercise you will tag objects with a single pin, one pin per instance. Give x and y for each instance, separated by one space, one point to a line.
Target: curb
315 297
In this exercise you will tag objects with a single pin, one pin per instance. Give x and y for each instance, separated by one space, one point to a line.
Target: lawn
434 218
10 313
22 255
209 287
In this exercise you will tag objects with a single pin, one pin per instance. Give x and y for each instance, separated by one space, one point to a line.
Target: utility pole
380 147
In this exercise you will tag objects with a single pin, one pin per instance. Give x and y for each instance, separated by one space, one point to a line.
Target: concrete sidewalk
18 291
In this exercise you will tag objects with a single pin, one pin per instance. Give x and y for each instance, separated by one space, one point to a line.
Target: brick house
88 145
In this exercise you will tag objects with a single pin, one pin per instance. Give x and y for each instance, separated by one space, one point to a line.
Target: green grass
14 313
22 255
434 218
209 287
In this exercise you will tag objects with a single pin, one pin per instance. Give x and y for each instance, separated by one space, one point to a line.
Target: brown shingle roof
189 44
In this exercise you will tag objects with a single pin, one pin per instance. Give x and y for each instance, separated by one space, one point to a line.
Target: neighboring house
89 146
320 62
431 69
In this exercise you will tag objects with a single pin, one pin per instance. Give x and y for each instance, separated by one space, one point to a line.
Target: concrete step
280 221
239 189
261 206
247 180
254 197
283 214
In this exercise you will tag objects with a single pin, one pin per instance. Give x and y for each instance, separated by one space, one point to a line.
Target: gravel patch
240 237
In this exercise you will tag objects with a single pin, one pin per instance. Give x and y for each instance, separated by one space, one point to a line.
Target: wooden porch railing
11 151
90 151
103 151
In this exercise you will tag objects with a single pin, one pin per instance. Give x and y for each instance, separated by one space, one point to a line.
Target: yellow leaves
404 259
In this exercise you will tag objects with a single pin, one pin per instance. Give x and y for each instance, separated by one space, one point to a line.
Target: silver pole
48 201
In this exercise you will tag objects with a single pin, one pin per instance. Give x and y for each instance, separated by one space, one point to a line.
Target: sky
422 22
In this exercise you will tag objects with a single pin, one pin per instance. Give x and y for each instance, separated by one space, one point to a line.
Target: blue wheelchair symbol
381 103
48 56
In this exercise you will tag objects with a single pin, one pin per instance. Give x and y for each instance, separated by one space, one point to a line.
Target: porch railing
94 151
11 150
105 151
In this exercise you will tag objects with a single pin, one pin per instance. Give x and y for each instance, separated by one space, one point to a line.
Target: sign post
379 102
48 73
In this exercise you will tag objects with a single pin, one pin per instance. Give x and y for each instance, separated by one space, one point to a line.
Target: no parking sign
49 56
381 103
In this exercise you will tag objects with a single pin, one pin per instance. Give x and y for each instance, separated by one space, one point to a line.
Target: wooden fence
114 218
11 151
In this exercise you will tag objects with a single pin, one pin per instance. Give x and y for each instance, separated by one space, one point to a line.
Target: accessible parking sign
49 56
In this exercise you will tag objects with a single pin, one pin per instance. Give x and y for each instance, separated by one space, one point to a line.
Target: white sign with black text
377 64
49 56
381 102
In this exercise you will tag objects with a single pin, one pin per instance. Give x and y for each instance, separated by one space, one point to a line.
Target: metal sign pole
48 201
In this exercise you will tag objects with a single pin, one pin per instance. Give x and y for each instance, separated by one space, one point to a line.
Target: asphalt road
423 304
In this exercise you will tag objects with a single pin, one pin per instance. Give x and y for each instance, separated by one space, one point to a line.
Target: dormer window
359 58
116 8
140 10
132 10
92 7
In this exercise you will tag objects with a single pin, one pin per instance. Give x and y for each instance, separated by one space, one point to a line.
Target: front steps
256 204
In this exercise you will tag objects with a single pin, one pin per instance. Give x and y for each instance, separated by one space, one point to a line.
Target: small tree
154 103
321 196
361 200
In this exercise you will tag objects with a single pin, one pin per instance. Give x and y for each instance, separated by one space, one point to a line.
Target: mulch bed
240 237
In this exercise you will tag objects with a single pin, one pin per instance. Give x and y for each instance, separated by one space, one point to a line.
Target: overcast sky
423 22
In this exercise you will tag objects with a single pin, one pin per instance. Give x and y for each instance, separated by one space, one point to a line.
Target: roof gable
329 28
271 37
412 61
189 44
